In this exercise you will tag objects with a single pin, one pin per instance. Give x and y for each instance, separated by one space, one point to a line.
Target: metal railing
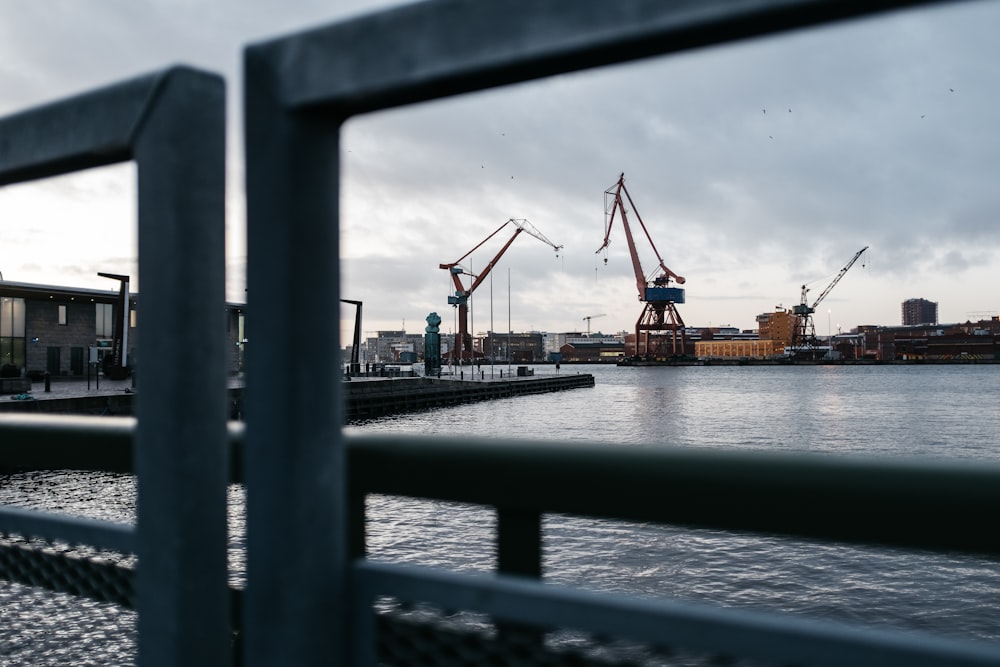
171 124
299 90
900 504
305 480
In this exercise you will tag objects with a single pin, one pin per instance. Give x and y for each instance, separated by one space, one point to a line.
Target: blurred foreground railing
171 126
904 504
313 604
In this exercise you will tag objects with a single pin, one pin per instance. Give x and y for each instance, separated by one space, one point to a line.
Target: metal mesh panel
47 566
425 637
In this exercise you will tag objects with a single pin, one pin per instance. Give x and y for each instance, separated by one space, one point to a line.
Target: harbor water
942 412
937 412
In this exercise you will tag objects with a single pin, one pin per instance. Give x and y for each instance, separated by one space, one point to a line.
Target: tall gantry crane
805 329
463 341
660 311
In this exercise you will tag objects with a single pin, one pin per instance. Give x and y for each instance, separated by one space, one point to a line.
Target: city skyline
758 167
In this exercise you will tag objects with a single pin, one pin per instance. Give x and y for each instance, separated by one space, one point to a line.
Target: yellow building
777 326
740 349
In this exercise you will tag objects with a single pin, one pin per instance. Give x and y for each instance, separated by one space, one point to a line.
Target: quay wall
365 398
370 399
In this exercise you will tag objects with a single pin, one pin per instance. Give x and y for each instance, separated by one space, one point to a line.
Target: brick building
48 328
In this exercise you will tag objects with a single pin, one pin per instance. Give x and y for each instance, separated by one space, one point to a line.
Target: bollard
48 382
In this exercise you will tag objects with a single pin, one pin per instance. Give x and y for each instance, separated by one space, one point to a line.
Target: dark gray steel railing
172 125
904 504
299 90
312 604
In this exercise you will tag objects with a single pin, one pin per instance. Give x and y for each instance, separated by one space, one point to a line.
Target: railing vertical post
180 449
172 125
297 603
519 551
519 542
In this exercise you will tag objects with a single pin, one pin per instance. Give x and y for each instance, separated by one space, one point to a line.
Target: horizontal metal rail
104 535
813 496
780 639
902 503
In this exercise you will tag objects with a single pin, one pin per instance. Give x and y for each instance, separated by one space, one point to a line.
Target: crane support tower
589 318
462 351
804 336
659 314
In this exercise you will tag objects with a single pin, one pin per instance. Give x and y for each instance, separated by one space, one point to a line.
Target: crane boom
805 330
462 294
839 276
618 205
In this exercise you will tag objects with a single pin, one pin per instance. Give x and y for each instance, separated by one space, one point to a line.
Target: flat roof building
54 329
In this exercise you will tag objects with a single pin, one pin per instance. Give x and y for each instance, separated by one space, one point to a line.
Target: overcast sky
757 168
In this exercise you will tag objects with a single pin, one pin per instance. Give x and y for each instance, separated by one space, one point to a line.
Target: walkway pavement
60 387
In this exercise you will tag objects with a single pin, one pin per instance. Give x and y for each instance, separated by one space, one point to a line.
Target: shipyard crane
660 299
589 318
463 341
805 329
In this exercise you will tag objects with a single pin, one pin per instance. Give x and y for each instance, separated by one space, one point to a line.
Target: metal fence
172 126
316 604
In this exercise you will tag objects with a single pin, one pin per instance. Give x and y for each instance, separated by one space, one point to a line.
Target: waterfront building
933 342
919 311
738 349
392 346
61 330
514 347
593 350
778 326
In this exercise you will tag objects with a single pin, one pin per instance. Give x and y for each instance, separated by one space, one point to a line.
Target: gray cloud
757 166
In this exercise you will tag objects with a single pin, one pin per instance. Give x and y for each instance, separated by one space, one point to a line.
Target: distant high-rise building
919 311
779 325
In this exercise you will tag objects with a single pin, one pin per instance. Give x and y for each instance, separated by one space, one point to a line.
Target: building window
12 349
62 315
105 320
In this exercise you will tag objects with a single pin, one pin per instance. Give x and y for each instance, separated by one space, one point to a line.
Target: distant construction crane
589 318
660 312
463 341
804 335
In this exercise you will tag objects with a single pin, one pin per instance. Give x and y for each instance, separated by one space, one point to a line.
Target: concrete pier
370 399
366 398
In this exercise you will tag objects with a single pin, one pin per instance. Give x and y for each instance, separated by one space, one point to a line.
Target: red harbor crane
804 335
660 312
463 341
